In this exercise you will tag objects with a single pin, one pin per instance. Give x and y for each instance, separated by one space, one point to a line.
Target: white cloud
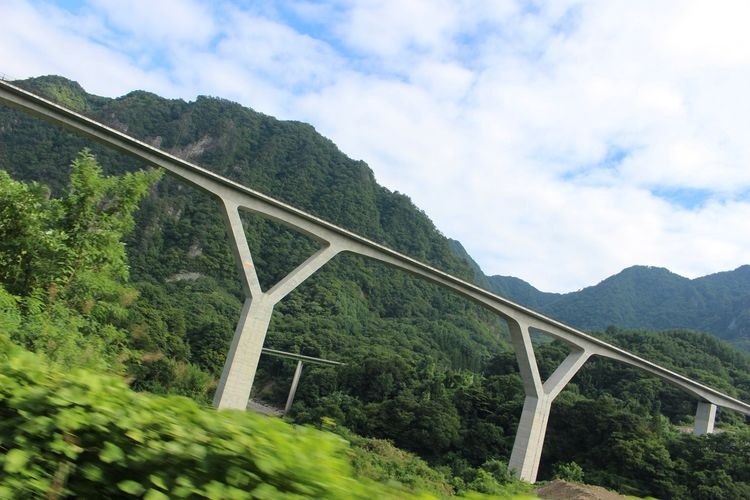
149 23
448 82
709 34
276 52
47 40
392 28
544 136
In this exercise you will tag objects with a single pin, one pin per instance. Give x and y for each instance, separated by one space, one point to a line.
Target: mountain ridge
649 297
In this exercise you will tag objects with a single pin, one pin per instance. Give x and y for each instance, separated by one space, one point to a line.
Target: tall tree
63 260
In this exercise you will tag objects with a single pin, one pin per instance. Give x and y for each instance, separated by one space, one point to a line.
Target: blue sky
559 141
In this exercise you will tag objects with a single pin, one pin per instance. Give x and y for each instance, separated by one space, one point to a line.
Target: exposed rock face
184 276
193 150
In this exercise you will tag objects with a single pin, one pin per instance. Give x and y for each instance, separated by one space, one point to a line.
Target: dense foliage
64 261
425 369
624 429
80 434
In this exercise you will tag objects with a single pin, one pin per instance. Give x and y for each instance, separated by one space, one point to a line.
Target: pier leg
527 448
233 391
293 389
705 418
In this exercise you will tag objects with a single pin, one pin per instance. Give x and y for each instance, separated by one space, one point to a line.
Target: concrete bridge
239 371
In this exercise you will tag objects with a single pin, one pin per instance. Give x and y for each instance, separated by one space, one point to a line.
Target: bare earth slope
563 490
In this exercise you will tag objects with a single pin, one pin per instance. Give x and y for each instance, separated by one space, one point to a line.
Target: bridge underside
236 381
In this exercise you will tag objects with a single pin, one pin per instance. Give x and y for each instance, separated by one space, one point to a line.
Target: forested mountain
647 297
425 369
180 241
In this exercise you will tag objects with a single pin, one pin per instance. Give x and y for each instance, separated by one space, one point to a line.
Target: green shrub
569 471
379 460
82 434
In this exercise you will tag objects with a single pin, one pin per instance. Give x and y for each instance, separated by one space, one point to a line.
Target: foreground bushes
88 435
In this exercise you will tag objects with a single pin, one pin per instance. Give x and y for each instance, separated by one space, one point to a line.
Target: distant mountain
523 292
647 297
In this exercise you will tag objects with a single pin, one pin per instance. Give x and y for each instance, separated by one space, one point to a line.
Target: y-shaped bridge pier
239 371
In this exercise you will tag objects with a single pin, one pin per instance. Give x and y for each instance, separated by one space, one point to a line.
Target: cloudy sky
559 141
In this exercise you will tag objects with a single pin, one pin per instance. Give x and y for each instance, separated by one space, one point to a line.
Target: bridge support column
293 388
233 390
705 417
532 427
527 448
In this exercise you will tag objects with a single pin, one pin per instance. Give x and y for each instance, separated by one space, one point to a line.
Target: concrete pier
233 390
705 417
293 388
532 427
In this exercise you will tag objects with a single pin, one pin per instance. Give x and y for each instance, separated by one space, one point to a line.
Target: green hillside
424 369
179 242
